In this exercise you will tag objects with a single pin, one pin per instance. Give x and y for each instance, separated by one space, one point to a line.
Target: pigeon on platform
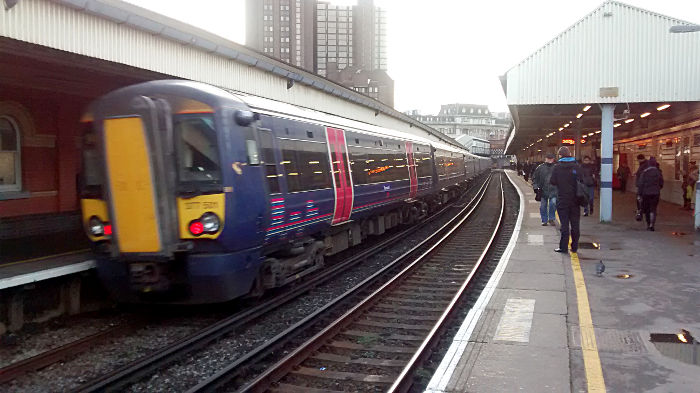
599 269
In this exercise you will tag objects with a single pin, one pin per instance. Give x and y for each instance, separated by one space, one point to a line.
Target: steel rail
135 371
226 374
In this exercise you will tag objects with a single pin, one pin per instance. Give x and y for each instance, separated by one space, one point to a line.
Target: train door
139 180
342 183
412 169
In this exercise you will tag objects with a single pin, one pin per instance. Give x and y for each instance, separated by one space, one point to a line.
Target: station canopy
617 54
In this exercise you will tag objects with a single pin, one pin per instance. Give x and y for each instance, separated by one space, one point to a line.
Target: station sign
571 141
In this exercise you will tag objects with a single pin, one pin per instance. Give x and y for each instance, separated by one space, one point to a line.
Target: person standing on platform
526 171
649 186
642 166
692 184
590 176
623 173
688 185
548 192
565 175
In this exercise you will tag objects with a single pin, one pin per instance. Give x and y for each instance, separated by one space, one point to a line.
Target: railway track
378 343
133 372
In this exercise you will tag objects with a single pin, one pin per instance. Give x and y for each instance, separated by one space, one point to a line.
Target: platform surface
43 268
527 336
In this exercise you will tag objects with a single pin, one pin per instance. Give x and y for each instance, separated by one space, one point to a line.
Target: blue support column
606 162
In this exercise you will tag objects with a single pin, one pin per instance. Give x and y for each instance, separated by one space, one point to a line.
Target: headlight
96 226
210 222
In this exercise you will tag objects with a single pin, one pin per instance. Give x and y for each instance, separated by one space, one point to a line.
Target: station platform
547 323
27 271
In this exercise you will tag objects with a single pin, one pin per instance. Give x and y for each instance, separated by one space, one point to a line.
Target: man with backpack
566 176
547 192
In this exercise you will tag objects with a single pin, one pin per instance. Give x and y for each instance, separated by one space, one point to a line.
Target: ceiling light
597 132
579 115
586 108
539 140
590 134
585 136
629 120
617 124
566 125
662 107
645 114
561 128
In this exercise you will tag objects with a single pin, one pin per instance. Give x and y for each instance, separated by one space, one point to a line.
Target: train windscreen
197 152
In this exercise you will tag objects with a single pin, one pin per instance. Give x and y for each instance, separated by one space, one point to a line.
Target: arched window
10 160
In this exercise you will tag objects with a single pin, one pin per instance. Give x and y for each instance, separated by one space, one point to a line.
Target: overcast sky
442 51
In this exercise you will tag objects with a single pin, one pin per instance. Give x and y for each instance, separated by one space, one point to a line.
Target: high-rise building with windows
346 44
283 29
334 37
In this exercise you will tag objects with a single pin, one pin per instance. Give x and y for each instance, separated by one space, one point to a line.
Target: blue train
193 194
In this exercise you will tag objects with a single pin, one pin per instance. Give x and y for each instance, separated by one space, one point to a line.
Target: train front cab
158 200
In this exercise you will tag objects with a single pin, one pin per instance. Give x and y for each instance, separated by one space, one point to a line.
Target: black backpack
582 196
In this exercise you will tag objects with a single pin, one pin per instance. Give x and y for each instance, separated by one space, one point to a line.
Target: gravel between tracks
38 338
197 366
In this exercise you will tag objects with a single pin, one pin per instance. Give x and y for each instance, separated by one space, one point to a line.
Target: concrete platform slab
541 266
535 281
546 302
541 370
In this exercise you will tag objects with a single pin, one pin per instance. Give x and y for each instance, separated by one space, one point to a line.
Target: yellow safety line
589 346
46 257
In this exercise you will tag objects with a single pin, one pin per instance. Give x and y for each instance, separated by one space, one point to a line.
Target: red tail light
108 230
196 228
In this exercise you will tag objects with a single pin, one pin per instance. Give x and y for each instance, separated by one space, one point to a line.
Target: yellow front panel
131 185
192 208
94 207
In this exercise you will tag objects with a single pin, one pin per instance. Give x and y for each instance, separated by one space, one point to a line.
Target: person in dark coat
565 175
649 185
526 171
590 179
548 192
623 173
642 166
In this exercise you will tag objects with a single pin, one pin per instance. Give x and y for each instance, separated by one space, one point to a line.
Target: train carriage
192 194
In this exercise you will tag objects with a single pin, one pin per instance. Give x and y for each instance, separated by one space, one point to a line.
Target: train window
91 178
423 165
309 134
251 146
197 148
305 164
268 157
358 164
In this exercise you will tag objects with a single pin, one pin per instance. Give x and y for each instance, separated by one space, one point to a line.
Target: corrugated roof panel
616 45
